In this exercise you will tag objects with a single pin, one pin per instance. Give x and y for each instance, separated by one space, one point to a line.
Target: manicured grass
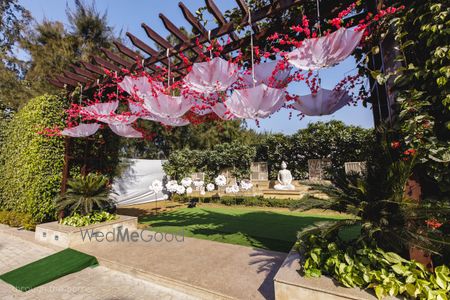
273 230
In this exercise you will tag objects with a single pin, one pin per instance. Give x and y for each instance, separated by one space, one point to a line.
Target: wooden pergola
89 73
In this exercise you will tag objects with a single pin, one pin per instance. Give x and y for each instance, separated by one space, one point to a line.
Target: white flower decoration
232 189
198 183
221 180
186 181
172 186
246 184
202 192
210 187
189 190
181 190
157 186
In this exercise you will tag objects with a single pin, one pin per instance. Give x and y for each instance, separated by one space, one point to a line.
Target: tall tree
52 47
14 19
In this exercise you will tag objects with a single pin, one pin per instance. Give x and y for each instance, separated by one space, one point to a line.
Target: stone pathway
91 283
219 270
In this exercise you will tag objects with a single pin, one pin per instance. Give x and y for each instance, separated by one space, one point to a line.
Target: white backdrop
132 185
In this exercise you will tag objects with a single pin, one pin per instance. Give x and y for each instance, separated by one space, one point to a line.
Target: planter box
68 236
289 284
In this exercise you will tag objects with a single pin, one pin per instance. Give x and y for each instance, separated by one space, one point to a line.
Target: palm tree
381 207
85 194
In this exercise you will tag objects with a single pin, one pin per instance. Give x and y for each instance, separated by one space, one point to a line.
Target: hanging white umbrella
211 76
146 115
326 51
266 73
324 102
166 106
222 111
257 102
125 130
82 130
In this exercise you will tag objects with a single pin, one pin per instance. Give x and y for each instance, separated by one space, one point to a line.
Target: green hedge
31 164
16 219
240 200
235 156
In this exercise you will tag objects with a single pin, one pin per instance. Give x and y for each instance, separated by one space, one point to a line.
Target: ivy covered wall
31 164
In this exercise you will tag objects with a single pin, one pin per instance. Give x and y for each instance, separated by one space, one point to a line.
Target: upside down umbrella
100 109
324 102
137 85
166 106
268 74
146 115
257 102
212 76
125 130
222 111
326 51
82 130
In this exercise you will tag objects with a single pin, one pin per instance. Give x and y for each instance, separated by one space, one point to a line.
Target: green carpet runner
48 269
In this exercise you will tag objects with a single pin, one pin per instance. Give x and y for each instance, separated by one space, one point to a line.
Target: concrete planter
68 236
289 284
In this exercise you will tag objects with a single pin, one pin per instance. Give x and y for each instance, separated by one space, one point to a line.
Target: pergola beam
117 59
193 20
212 7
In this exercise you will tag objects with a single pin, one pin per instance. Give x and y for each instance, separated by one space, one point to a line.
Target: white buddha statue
284 179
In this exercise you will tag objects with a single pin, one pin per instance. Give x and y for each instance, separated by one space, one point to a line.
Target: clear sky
128 15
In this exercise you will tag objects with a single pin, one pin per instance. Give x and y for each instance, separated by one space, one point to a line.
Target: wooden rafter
193 20
114 62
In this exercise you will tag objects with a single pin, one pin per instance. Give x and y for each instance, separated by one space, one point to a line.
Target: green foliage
383 209
334 140
31 164
78 220
235 156
241 200
422 87
17 219
85 194
369 267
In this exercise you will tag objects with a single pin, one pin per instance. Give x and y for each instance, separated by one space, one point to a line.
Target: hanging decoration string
251 45
81 97
210 44
320 34
168 65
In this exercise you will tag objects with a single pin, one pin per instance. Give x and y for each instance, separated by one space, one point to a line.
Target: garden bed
290 285
68 236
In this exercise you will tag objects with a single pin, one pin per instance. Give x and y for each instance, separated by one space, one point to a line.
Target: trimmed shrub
241 200
16 219
31 164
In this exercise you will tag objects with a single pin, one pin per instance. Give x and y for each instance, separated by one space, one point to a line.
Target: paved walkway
229 271
91 283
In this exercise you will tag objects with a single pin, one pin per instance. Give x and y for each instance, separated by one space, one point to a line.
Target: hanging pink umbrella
82 130
125 130
222 111
146 115
211 76
166 106
257 102
104 112
138 86
100 109
174 122
324 102
326 51
264 73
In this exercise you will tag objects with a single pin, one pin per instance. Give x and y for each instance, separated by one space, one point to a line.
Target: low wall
67 236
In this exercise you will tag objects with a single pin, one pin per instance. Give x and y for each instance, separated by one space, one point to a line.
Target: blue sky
128 15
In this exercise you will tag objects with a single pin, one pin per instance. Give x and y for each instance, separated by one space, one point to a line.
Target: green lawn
273 230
